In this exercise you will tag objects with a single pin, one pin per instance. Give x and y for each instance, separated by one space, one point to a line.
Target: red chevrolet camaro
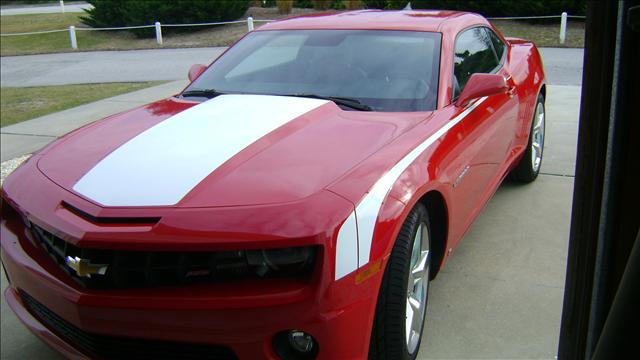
293 202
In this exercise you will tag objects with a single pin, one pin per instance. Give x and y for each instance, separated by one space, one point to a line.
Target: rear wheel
402 302
529 166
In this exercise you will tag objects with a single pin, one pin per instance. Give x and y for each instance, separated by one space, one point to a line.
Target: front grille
112 347
144 269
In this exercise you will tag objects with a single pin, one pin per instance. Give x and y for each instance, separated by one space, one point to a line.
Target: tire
389 333
528 168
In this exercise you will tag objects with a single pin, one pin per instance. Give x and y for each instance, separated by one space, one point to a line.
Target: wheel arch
543 91
436 206
424 186
433 199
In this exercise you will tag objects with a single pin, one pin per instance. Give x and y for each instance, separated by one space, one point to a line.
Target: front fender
410 189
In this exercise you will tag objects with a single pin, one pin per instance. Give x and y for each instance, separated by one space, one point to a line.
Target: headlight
286 260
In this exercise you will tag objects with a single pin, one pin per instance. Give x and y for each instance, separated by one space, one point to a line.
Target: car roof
414 20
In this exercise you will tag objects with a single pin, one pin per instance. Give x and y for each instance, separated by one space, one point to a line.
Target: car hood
229 151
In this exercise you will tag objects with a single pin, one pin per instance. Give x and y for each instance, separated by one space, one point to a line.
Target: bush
303 4
354 4
322 4
490 8
284 6
115 13
329 4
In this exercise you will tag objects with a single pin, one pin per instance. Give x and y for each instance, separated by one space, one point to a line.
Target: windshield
384 70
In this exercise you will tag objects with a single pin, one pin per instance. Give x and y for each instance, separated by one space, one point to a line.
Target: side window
498 45
473 54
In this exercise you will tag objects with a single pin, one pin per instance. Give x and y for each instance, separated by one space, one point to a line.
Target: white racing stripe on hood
162 164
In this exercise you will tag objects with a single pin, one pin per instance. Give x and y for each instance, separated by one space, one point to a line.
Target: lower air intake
112 347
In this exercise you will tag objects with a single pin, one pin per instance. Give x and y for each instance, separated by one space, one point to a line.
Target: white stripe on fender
162 164
347 247
366 213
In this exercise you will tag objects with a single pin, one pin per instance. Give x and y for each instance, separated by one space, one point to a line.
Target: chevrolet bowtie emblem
84 267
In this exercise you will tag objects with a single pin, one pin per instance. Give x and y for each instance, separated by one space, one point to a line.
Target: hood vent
110 220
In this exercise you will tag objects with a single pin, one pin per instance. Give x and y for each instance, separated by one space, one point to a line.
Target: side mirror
195 71
480 85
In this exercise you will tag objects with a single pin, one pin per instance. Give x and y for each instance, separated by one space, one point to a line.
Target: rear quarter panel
525 66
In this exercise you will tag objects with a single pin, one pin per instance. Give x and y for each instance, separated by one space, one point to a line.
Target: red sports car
293 202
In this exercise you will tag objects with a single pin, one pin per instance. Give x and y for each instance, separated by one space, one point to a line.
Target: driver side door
488 129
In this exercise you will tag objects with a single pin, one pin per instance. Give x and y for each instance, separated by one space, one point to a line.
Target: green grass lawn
59 42
541 34
19 104
98 40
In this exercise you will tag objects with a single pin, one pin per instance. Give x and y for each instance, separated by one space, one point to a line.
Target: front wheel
402 302
529 166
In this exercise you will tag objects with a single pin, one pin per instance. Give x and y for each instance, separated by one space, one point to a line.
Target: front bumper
242 316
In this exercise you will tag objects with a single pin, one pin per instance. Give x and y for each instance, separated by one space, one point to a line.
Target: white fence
158 29
250 22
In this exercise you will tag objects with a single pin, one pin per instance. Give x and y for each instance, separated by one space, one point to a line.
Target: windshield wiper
207 93
348 102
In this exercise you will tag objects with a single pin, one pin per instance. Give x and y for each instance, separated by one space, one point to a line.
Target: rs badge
84 267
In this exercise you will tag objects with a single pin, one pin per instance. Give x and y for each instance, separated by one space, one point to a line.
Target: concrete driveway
102 66
563 66
500 294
